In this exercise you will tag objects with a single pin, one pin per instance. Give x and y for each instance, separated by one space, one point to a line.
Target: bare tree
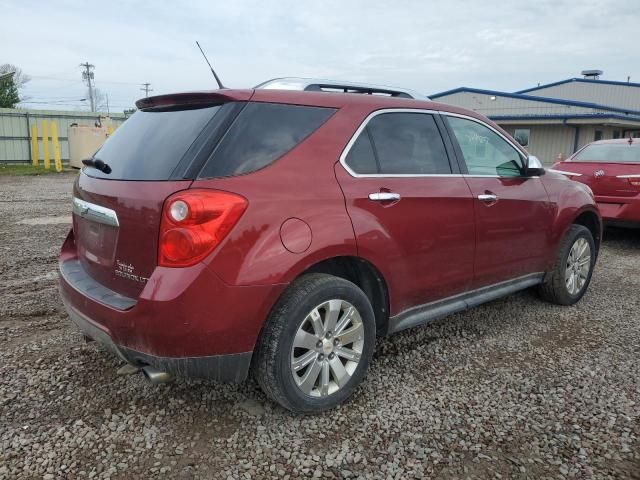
100 99
19 77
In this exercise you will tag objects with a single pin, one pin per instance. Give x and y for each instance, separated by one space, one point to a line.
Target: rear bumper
186 321
619 209
223 368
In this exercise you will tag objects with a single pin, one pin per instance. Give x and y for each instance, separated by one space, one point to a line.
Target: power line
145 88
87 75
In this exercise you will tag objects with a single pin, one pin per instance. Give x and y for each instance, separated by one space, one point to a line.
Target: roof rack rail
337 86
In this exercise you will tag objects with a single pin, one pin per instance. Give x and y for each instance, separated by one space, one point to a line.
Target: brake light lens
194 222
634 181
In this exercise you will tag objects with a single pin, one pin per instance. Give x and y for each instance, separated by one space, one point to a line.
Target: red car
612 169
281 231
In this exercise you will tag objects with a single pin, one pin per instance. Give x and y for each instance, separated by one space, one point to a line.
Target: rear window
150 144
609 152
261 134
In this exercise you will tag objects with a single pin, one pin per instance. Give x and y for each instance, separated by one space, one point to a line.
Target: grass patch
16 170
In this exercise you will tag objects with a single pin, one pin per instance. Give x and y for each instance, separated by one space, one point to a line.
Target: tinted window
484 151
361 158
609 152
149 145
408 143
261 134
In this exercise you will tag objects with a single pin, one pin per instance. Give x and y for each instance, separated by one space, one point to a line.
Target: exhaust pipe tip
156 376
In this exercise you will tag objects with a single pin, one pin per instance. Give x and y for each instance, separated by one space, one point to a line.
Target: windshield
150 144
609 152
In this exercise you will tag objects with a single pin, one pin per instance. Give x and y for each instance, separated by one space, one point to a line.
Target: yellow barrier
45 144
109 131
56 147
34 145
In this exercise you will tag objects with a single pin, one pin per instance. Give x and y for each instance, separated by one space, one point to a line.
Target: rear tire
316 345
571 274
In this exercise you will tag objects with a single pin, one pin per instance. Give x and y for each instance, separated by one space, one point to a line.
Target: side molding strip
430 312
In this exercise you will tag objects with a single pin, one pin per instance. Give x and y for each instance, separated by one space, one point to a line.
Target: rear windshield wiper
97 164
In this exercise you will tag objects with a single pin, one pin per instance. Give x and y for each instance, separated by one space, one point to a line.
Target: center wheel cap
327 346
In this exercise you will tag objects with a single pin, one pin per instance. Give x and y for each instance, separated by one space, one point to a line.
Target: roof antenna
212 70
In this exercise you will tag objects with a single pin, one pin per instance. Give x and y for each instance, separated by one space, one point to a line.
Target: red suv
612 169
281 231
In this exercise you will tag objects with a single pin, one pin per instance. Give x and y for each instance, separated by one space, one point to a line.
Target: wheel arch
366 276
591 220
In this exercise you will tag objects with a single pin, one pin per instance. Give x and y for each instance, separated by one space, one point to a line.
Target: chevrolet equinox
278 231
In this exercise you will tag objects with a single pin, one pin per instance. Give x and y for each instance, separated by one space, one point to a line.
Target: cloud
427 46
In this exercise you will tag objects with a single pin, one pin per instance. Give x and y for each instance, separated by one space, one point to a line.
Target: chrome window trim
628 176
365 122
564 172
94 212
363 125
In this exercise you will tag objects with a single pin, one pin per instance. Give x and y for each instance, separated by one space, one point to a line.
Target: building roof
581 80
588 110
535 98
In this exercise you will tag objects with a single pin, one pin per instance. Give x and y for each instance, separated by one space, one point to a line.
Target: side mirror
534 167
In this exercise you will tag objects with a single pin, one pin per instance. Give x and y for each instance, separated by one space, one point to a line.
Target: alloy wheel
327 348
578 266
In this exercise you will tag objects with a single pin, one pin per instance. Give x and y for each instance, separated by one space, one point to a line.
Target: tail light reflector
194 222
634 181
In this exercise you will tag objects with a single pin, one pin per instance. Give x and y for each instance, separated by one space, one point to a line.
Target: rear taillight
634 181
194 222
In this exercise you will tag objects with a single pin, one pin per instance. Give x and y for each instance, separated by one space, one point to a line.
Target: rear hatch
612 170
158 151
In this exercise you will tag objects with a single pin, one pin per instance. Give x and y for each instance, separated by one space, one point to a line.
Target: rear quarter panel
300 185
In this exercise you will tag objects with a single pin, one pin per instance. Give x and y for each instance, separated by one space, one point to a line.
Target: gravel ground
514 389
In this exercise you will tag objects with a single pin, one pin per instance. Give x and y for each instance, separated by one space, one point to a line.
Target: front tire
571 274
316 345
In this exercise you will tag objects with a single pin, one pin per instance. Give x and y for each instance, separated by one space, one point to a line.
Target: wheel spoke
582 248
340 374
303 360
347 353
344 320
316 321
305 340
325 379
352 335
331 316
308 381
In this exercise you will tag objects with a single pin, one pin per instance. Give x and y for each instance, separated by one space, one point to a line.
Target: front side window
400 144
484 151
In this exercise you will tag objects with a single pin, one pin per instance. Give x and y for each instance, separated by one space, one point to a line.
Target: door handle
488 197
384 197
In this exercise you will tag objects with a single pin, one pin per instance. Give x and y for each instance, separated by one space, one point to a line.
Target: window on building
521 135
617 134
597 135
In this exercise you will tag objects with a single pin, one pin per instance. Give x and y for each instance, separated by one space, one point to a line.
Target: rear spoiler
193 99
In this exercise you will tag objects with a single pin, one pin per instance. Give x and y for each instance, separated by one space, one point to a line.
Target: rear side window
609 152
150 144
400 144
261 134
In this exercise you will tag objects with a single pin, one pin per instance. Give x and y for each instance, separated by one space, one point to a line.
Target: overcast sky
429 46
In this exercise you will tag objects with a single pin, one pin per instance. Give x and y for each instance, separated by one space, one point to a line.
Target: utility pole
87 75
145 88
